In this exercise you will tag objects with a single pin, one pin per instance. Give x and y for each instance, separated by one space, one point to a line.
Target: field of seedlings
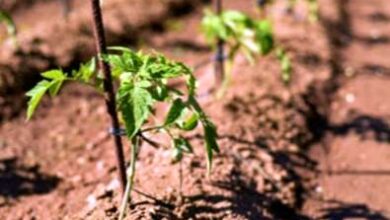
194 109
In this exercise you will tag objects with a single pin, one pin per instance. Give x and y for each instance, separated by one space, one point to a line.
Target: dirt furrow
354 158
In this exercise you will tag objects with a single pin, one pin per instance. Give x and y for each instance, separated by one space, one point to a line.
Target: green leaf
213 27
54 74
175 111
57 78
209 129
210 137
127 62
36 95
160 91
191 123
144 84
86 71
161 67
55 87
134 103
264 36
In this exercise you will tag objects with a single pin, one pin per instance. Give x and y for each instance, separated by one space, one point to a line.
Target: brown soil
354 168
61 164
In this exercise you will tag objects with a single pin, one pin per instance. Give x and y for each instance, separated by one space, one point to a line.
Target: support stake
219 64
109 94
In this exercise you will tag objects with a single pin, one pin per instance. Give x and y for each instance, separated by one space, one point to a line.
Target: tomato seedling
143 82
240 34
285 65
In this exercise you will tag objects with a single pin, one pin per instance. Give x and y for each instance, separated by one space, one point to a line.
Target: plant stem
108 87
152 128
227 79
219 64
228 72
130 178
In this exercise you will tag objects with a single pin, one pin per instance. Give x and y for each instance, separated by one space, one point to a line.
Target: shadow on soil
341 211
376 69
245 201
17 180
340 35
317 99
366 127
373 40
359 172
379 17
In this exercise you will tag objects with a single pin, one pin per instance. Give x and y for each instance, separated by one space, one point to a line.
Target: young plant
143 82
240 34
9 23
285 65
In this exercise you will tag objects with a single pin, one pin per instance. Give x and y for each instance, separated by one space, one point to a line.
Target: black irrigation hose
108 88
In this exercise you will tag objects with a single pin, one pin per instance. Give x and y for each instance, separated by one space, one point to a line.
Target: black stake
108 87
219 64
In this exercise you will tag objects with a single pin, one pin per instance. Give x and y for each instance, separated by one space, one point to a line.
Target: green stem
226 79
152 128
130 179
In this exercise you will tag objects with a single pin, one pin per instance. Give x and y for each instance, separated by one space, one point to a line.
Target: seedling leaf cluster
240 32
143 82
